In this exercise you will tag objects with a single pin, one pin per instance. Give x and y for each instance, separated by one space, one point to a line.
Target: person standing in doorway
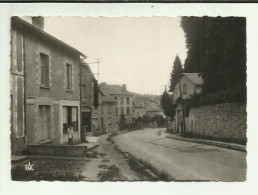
70 134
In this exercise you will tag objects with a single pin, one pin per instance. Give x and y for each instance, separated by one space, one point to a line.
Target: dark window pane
19 50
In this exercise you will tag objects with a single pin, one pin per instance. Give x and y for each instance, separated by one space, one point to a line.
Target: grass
112 173
146 171
49 170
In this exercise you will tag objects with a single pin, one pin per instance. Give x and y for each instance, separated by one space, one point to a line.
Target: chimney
123 87
38 21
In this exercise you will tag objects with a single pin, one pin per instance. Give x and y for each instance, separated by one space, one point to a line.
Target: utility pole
96 61
182 107
167 105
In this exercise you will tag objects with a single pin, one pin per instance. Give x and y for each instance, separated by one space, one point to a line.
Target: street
184 160
142 155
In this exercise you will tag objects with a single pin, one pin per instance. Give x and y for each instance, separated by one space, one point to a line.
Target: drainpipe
24 91
182 107
83 138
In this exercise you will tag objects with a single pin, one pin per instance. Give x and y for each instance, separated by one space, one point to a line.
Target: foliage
167 104
50 170
147 97
217 50
176 72
224 96
95 92
122 123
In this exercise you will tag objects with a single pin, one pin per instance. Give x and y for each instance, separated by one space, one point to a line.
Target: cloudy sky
136 51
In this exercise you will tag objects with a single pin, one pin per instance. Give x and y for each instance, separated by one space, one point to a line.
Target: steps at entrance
57 150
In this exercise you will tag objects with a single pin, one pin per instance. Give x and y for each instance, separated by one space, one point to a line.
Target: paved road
184 160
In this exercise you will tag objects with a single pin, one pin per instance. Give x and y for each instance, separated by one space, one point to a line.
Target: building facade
104 117
191 83
45 86
123 98
88 83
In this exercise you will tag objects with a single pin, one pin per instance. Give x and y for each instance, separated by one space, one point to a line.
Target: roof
33 29
106 97
88 68
138 104
113 89
195 78
152 107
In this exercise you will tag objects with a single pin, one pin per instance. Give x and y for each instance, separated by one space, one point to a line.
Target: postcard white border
117 10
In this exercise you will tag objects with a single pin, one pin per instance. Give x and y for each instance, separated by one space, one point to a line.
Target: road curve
184 160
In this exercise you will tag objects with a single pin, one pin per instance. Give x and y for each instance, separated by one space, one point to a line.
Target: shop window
70 118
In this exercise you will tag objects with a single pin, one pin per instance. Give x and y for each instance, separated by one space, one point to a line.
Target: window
184 89
83 91
127 100
44 65
109 108
128 111
69 77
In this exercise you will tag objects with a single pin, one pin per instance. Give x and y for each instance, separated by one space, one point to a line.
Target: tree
217 50
176 72
167 104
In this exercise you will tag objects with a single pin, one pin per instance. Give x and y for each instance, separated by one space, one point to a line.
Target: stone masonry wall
222 121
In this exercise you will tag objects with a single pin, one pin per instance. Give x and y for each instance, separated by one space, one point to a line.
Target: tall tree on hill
217 50
167 104
176 72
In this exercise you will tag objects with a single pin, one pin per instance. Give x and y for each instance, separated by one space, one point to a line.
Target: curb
223 145
20 159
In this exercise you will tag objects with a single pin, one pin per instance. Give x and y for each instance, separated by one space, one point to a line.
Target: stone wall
226 122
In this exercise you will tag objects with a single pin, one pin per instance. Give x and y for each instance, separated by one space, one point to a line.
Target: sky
136 51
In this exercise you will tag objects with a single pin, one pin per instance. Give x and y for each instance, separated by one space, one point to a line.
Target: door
86 124
44 122
69 116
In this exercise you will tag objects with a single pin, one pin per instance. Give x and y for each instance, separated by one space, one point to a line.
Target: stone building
190 83
45 86
88 85
104 117
144 107
138 108
124 100
153 109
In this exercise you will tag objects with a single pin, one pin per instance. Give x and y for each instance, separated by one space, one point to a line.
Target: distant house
190 83
88 85
144 107
124 100
138 108
45 86
104 119
153 109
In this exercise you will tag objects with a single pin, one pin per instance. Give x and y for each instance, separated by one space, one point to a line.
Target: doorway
86 123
